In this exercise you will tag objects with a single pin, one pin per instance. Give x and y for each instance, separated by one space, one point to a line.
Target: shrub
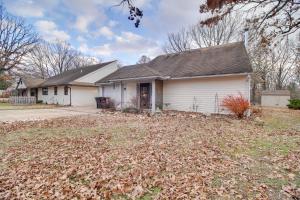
39 101
294 104
238 105
130 110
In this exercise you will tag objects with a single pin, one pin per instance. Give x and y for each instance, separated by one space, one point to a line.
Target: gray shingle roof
68 76
223 59
32 82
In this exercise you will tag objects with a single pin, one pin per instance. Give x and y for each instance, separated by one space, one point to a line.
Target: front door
145 95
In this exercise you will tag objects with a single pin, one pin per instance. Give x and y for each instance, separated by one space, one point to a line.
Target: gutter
179 78
211 76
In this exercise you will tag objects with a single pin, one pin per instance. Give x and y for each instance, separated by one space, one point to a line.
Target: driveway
40 114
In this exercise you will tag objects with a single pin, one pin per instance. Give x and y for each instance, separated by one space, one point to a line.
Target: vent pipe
246 36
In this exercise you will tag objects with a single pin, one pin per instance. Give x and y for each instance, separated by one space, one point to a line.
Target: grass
281 119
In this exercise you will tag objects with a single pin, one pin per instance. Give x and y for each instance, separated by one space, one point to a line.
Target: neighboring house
74 87
277 98
195 80
27 86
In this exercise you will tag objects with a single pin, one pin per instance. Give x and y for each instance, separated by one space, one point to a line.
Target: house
27 86
74 87
277 98
195 80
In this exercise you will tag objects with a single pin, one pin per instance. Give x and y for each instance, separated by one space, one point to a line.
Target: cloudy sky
98 29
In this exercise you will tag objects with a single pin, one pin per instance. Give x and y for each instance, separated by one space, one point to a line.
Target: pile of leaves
129 156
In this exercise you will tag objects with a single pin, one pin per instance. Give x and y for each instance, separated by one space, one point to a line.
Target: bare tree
143 59
222 32
199 36
284 62
178 42
48 59
81 60
281 17
16 40
37 63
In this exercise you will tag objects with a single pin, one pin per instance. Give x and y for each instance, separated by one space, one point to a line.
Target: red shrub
238 105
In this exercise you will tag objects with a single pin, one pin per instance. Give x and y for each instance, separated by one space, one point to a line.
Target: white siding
60 98
98 74
129 93
84 96
202 94
113 92
275 101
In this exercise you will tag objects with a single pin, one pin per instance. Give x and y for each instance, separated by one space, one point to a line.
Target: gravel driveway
40 114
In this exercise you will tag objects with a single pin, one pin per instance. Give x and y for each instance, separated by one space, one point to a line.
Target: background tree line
23 52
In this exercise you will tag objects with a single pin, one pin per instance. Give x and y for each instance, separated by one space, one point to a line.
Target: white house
75 87
195 80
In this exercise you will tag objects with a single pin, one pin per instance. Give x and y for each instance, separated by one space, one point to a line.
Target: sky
98 29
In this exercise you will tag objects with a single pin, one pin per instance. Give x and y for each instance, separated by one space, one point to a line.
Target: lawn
168 156
8 106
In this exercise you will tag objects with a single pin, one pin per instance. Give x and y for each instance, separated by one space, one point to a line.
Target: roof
217 60
31 82
276 93
132 71
69 76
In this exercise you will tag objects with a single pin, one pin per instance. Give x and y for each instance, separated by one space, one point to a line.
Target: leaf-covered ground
168 156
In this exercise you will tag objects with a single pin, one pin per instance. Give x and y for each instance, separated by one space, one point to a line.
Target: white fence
22 100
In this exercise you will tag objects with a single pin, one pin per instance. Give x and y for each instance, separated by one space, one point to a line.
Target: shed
277 98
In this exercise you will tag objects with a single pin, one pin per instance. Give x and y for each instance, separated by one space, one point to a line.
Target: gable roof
217 60
30 82
67 77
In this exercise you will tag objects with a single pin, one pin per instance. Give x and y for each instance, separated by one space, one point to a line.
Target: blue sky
97 29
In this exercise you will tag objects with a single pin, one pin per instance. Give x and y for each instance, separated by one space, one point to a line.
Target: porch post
153 97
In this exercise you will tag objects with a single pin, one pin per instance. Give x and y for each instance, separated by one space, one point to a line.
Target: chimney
246 36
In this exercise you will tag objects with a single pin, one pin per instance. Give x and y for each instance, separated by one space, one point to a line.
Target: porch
146 95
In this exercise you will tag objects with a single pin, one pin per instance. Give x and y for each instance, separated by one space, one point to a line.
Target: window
45 91
55 90
66 90
32 92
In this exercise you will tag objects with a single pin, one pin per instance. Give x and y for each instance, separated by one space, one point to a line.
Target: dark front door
145 95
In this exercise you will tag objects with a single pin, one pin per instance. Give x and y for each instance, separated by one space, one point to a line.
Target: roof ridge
201 49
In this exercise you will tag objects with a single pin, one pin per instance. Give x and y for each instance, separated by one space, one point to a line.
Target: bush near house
294 104
238 105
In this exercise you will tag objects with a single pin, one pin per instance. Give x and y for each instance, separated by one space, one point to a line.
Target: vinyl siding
60 98
98 74
203 94
274 101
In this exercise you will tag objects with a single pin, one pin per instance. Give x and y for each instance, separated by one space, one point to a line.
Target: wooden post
153 107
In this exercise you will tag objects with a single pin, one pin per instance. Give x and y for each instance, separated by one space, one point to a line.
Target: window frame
66 90
55 90
45 91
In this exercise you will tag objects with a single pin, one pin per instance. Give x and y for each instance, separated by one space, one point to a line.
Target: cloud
86 12
30 8
50 32
170 16
25 9
112 23
106 32
127 43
